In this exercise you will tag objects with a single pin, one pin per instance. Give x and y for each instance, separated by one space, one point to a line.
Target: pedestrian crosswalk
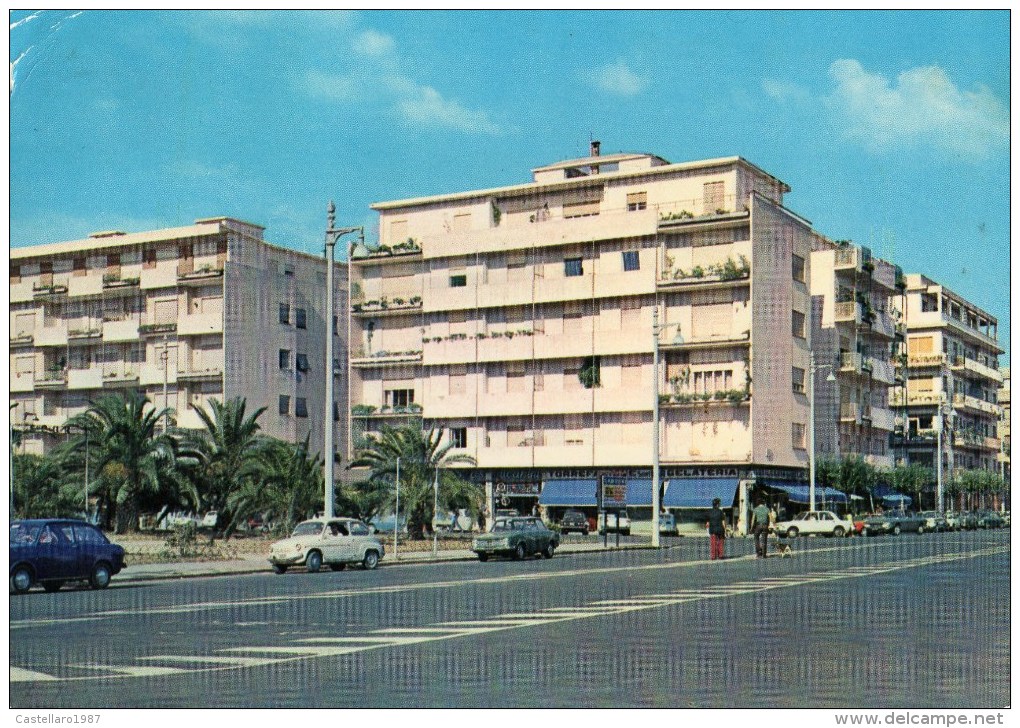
306 648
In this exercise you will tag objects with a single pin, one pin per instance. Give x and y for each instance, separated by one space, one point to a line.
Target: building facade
186 315
857 339
951 367
520 320
1004 464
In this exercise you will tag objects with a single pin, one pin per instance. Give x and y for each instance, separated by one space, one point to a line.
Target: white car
617 523
334 541
818 523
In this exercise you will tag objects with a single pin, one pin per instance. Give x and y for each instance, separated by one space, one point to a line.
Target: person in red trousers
716 526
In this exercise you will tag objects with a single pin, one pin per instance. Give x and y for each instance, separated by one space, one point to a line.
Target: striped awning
699 492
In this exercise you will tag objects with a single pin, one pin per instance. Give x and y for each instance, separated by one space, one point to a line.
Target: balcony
897 398
116 376
91 378
936 319
721 341
727 398
113 282
157 329
84 335
883 325
197 324
881 370
385 359
883 419
965 401
387 307
162 275
87 285
21 292
926 360
699 211
48 290
201 276
848 257
51 336
196 374
19 340
850 412
961 364
51 379
23 382
850 311
124 330
155 373
851 361
398 253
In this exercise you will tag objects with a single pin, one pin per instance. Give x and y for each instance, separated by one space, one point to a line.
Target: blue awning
896 500
699 492
639 492
800 493
568 493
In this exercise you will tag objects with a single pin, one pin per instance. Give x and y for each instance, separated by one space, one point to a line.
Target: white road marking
221 659
291 653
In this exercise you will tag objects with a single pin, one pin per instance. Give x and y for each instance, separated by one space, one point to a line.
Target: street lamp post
333 234
165 358
811 424
655 428
10 424
435 513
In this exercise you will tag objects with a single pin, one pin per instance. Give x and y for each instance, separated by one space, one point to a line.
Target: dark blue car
52 551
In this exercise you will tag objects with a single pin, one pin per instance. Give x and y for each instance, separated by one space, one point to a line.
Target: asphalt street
889 622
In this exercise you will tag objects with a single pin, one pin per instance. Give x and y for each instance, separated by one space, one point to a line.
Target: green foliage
590 373
420 454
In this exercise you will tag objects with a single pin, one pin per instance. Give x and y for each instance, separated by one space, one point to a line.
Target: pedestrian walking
760 518
716 526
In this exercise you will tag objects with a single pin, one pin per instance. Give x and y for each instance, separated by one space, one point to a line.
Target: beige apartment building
520 320
859 333
1004 465
186 314
952 369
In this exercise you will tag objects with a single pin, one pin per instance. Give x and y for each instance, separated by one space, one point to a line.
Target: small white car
617 522
817 523
336 542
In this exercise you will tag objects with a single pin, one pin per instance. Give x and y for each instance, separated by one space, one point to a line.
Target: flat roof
530 187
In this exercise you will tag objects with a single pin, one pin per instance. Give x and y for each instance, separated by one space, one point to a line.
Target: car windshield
308 528
501 525
23 533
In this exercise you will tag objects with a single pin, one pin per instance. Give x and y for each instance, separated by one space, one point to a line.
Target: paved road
914 621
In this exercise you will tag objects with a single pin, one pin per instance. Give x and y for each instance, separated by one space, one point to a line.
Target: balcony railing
897 399
726 396
22 339
90 333
52 378
850 361
849 412
52 289
196 373
848 311
199 275
926 360
112 280
384 358
164 328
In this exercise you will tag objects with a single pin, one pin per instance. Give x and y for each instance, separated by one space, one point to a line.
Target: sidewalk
260 564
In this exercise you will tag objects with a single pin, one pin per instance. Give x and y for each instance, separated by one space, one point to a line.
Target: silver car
334 541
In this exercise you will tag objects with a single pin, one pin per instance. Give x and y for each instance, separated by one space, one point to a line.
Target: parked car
815 523
989 519
894 522
953 521
517 537
574 521
968 520
1005 518
667 525
934 521
616 522
54 551
210 519
336 542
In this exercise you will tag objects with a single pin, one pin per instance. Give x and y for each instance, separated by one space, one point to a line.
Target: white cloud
428 107
330 86
372 43
922 106
785 90
617 78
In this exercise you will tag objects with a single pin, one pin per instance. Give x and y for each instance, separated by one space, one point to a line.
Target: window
302 362
573 267
284 404
458 281
15 273
78 266
798 380
798 269
336 412
300 318
637 201
399 397
798 325
149 258
301 407
458 437
284 358
798 435
284 313
631 261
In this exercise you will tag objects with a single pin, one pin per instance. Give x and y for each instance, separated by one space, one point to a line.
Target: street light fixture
333 234
811 423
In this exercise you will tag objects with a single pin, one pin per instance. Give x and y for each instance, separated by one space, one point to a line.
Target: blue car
53 551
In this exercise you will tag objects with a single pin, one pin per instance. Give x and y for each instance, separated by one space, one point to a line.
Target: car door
826 523
335 542
54 558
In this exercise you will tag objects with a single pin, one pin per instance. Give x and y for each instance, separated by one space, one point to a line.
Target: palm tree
224 457
421 454
135 465
288 486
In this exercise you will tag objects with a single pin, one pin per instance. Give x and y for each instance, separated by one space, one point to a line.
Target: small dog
784 549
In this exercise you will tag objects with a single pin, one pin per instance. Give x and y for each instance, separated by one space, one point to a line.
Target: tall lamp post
10 424
657 330
811 423
333 234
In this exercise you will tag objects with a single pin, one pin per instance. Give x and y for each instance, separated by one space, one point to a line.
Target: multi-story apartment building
520 319
185 314
857 339
1004 465
952 370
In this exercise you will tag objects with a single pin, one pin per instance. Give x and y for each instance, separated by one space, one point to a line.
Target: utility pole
165 358
655 429
333 234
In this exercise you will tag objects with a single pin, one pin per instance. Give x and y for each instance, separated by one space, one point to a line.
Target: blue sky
892 128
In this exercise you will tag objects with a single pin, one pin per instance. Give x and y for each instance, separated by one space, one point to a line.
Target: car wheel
100 575
279 568
314 562
52 586
838 532
896 530
338 567
792 533
371 560
21 579
483 557
519 553
920 529
549 550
